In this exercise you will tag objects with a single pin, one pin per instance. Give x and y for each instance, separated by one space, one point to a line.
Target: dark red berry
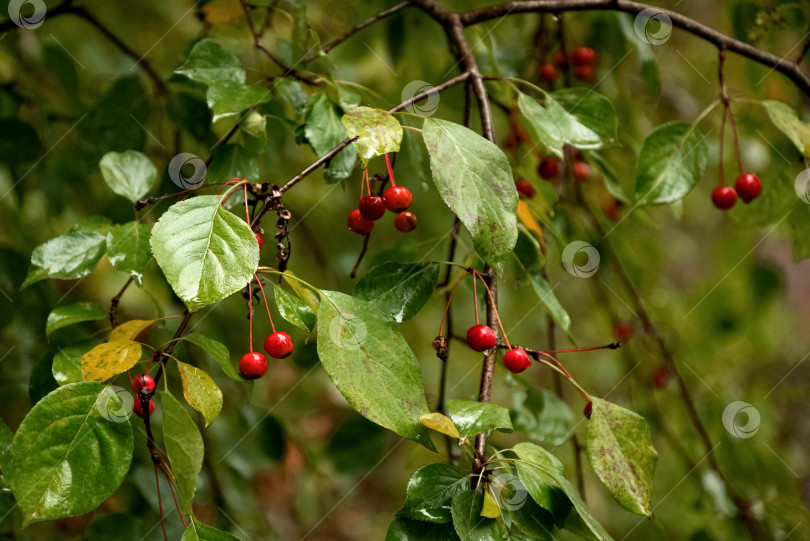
560 60
516 360
724 197
136 407
405 222
525 188
278 345
480 338
583 56
549 168
372 207
259 238
252 365
623 330
358 224
659 378
613 209
141 381
397 198
748 187
582 171
584 73
548 73
588 410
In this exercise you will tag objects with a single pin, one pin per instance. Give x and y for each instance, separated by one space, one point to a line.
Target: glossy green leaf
372 365
209 62
198 531
592 110
70 314
227 98
669 166
474 179
543 491
552 127
130 173
399 290
403 529
94 224
324 131
68 257
468 522
472 418
201 392
217 350
206 252
67 363
233 161
431 491
518 508
787 121
71 452
377 131
110 359
294 309
542 416
550 302
184 447
128 248
622 454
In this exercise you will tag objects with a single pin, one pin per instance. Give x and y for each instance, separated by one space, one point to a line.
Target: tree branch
368 22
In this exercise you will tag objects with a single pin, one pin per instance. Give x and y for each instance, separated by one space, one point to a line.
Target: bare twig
114 304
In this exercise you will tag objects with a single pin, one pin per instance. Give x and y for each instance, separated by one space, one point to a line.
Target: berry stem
475 298
250 315
568 374
722 144
450 298
390 170
160 503
247 210
613 345
736 139
176 504
497 315
259 281
368 185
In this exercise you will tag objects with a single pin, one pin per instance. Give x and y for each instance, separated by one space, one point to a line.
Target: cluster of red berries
583 59
372 207
747 186
143 381
549 167
278 344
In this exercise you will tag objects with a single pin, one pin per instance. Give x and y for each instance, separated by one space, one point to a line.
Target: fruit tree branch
368 22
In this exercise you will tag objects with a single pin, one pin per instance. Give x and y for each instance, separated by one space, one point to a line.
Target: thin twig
114 304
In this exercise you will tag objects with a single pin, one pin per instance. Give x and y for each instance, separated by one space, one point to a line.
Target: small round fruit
724 197
583 56
748 187
259 239
358 224
372 207
613 209
588 410
405 222
525 188
623 330
584 73
279 345
582 171
548 73
143 381
397 198
480 338
560 60
516 360
252 365
138 410
659 378
549 168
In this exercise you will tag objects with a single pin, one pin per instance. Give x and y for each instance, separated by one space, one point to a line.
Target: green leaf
71 452
378 132
67 257
370 363
550 302
294 309
198 531
468 522
227 98
552 127
472 418
70 314
6 441
217 350
787 121
110 359
20 142
116 121
206 252
184 447
474 179
622 455
402 529
550 471
399 290
669 166
544 491
94 224
431 490
324 132
542 416
209 62
129 174
67 363
128 248
233 161
592 110
201 392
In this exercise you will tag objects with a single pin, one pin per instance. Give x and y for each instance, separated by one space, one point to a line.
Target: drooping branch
365 24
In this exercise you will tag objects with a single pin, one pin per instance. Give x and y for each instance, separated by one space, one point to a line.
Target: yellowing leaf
129 330
440 423
526 218
201 392
109 359
490 509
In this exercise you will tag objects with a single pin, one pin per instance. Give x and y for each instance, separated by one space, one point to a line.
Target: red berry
724 197
549 168
584 73
405 222
252 365
623 330
560 60
582 171
358 224
613 209
136 407
748 187
516 360
525 188
583 56
278 345
372 207
588 410
659 378
259 238
141 381
480 338
548 73
397 198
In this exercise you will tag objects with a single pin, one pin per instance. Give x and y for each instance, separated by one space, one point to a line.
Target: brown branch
366 238
368 22
162 354
114 304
